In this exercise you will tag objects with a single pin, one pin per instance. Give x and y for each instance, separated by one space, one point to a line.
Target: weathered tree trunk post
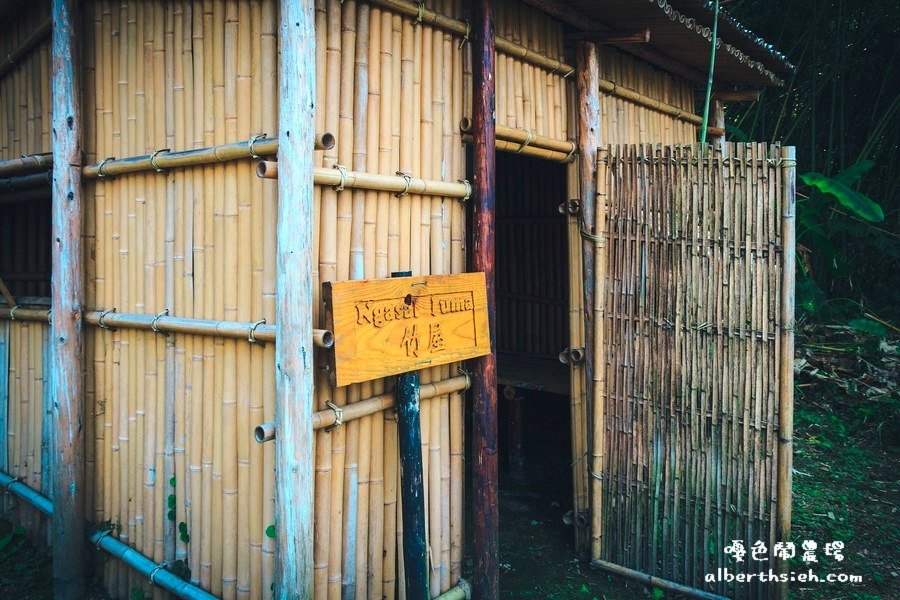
484 388
786 365
67 300
587 74
717 120
294 462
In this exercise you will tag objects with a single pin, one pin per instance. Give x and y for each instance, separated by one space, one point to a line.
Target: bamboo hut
178 179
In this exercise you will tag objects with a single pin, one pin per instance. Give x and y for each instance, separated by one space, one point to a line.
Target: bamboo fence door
694 316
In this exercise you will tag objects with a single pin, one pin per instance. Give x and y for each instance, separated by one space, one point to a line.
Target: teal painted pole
66 300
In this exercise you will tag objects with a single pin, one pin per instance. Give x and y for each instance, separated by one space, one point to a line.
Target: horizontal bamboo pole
27 163
11 60
255 147
452 25
25 182
612 88
372 181
651 581
461 591
259 332
25 314
102 539
524 136
533 151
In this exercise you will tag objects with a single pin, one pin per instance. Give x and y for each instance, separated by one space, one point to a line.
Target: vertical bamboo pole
587 73
293 348
717 119
786 362
66 302
484 432
4 396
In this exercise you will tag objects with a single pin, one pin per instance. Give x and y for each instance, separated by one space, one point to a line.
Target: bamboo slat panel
532 260
527 96
624 122
26 451
25 90
692 322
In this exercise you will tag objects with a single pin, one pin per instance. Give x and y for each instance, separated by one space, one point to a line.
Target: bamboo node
103 316
408 178
161 565
528 138
465 38
343 170
156 319
253 140
100 173
153 162
338 416
468 185
251 335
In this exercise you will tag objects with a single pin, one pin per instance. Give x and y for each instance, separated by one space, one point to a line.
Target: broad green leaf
868 326
851 174
860 204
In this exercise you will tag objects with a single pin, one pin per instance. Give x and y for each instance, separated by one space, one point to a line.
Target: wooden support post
587 75
786 362
412 487
67 299
716 127
293 342
486 584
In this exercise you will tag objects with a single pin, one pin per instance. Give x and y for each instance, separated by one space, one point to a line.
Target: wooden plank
385 327
294 399
67 302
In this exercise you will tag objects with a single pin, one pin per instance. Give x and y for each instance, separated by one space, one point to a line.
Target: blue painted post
67 300
294 457
4 394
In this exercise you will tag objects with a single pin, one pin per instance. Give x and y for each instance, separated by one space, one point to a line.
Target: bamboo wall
527 96
25 451
624 122
691 389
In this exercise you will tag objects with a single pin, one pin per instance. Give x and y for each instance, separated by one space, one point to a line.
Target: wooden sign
389 326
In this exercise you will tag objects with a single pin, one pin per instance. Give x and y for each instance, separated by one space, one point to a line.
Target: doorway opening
532 290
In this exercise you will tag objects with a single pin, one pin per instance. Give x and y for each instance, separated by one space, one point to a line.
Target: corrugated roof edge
706 32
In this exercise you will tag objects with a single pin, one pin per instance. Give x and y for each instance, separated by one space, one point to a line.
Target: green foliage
11 542
859 204
183 533
137 593
270 531
868 326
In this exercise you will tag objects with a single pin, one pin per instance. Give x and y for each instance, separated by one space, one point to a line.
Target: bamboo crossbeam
372 181
26 164
637 36
651 581
26 196
12 59
462 28
532 151
612 88
255 147
322 338
25 314
525 139
11 185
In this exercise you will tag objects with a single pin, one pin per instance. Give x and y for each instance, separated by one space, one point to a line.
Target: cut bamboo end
264 433
324 141
267 169
323 338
